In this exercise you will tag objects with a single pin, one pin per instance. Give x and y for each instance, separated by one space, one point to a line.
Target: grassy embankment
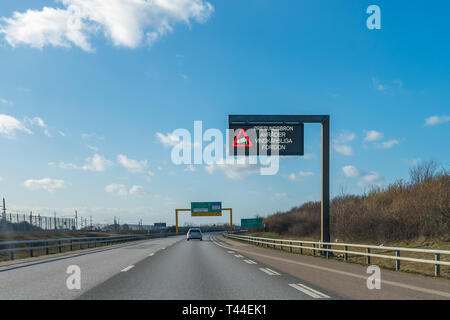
404 214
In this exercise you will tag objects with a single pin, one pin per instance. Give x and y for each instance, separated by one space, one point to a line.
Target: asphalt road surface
213 269
203 270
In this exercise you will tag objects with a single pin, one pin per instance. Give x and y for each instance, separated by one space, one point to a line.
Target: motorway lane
45 277
203 270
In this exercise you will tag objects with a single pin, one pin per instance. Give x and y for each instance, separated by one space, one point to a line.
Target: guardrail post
327 253
437 267
89 241
95 243
59 247
46 248
346 253
397 262
314 251
31 250
368 257
11 255
301 249
290 248
71 247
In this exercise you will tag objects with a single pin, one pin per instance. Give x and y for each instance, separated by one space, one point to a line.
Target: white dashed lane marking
238 256
230 251
309 291
270 272
151 254
127 268
250 262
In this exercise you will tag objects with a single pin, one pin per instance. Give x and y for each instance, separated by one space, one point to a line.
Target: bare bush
401 211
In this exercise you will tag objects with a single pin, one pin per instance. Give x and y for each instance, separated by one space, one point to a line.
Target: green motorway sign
251 223
206 208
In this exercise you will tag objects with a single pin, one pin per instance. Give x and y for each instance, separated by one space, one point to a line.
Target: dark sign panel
265 135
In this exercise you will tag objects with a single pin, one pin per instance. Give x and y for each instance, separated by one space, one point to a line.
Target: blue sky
81 106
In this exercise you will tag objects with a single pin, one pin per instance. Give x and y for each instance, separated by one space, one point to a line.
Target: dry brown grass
402 211
413 267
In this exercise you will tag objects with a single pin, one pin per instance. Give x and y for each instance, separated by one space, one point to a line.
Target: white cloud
9 125
132 165
149 175
344 137
4 101
296 176
97 163
350 171
398 83
233 171
435 120
371 179
373 135
379 86
61 133
91 136
388 144
344 149
93 148
279 196
137 190
40 123
36 121
340 143
190 168
364 179
123 191
125 23
412 161
169 139
47 184
94 163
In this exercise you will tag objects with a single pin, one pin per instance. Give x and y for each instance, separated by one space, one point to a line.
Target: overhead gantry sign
205 209
282 135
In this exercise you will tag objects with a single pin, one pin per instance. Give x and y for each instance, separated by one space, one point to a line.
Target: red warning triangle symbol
238 140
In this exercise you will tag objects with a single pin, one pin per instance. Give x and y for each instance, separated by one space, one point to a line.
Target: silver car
194 233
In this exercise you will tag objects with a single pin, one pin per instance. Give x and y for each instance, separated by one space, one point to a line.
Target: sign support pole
325 207
247 121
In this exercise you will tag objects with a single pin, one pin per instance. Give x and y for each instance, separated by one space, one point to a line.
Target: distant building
160 225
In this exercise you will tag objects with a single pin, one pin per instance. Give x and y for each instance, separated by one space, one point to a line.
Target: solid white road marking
151 254
309 291
228 251
269 271
127 268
